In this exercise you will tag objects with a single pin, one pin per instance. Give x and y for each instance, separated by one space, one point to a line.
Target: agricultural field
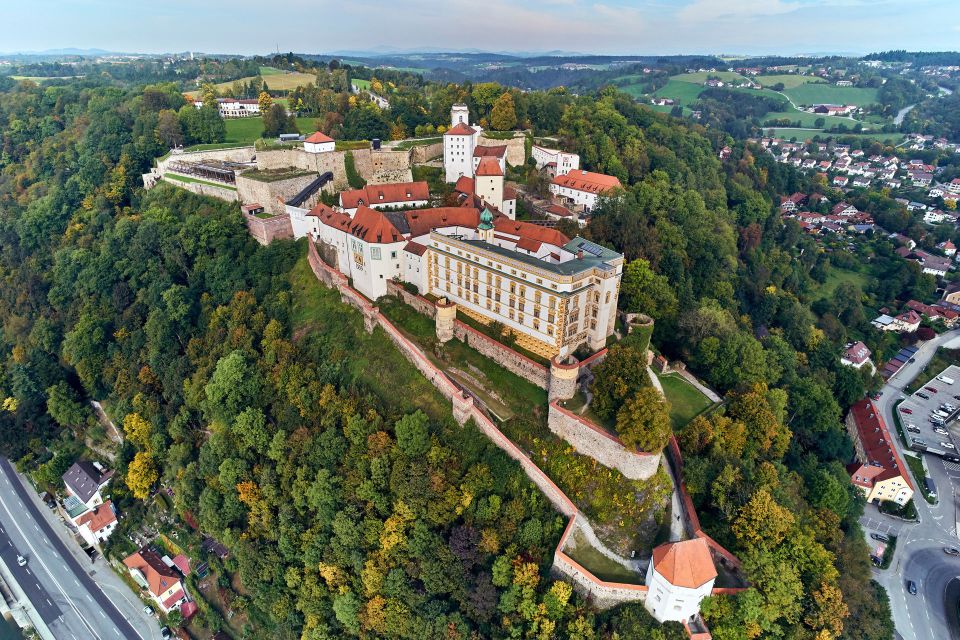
789 80
681 91
699 77
823 93
807 119
280 81
789 133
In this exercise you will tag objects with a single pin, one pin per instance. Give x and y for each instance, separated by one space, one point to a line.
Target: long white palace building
553 293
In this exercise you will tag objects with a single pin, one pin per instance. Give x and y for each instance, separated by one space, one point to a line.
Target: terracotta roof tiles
685 564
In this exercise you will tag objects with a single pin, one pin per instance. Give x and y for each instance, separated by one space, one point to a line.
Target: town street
932 613
58 586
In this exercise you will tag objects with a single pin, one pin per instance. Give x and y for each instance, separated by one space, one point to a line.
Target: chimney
579 254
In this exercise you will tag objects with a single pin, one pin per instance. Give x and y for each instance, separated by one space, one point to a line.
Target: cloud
708 10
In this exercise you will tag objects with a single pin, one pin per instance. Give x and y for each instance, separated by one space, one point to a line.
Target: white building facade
459 143
679 577
563 161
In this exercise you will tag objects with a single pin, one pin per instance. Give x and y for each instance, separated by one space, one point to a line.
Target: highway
67 599
932 613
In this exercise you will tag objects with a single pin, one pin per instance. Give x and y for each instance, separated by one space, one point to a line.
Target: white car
21 561
947 445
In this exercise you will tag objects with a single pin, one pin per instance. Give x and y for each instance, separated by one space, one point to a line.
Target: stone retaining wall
423 153
271 194
221 193
591 440
600 593
418 302
516 153
603 594
266 230
236 154
503 355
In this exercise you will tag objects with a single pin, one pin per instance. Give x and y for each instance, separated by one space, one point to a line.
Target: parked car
907 410
947 445
912 428
923 395
931 389
951 551
941 431
165 633
880 536
912 587
957 396
147 609
21 561
917 442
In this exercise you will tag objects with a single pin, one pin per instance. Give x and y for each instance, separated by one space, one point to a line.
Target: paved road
931 614
68 600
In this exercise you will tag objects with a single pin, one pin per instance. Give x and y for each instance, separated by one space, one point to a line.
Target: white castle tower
458 144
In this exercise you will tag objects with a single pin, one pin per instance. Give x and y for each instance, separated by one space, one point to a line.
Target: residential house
161 582
84 482
951 293
947 247
844 209
921 178
878 471
883 322
840 181
861 182
97 524
907 322
856 355
935 216
560 162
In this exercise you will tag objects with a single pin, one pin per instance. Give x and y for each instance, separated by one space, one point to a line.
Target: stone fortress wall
271 194
603 594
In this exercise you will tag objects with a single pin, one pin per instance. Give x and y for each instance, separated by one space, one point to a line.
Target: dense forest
355 510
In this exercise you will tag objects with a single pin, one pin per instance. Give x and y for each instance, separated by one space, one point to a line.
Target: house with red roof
161 582
383 196
497 153
680 575
856 355
319 142
97 524
878 471
581 189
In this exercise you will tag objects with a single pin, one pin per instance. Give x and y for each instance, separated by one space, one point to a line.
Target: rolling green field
699 77
248 130
789 80
822 93
683 92
686 401
837 276
806 119
270 71
362 84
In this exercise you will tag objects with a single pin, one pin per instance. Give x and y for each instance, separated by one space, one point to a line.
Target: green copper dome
486 220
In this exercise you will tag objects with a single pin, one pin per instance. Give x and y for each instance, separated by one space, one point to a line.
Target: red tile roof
460 130
464 185
415 248
529 244
857 353
422 221
685 564
99 517
489 167
182 562
372 226
159 576
530 231
395 193
320 210
509 193
187 609
497 151
559 210
172 600
318 138
587 181
875 438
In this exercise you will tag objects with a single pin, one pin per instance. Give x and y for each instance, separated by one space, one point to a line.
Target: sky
614 27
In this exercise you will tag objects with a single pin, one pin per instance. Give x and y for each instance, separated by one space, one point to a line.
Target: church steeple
486 225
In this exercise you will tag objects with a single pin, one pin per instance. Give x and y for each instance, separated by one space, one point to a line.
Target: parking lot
917 415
